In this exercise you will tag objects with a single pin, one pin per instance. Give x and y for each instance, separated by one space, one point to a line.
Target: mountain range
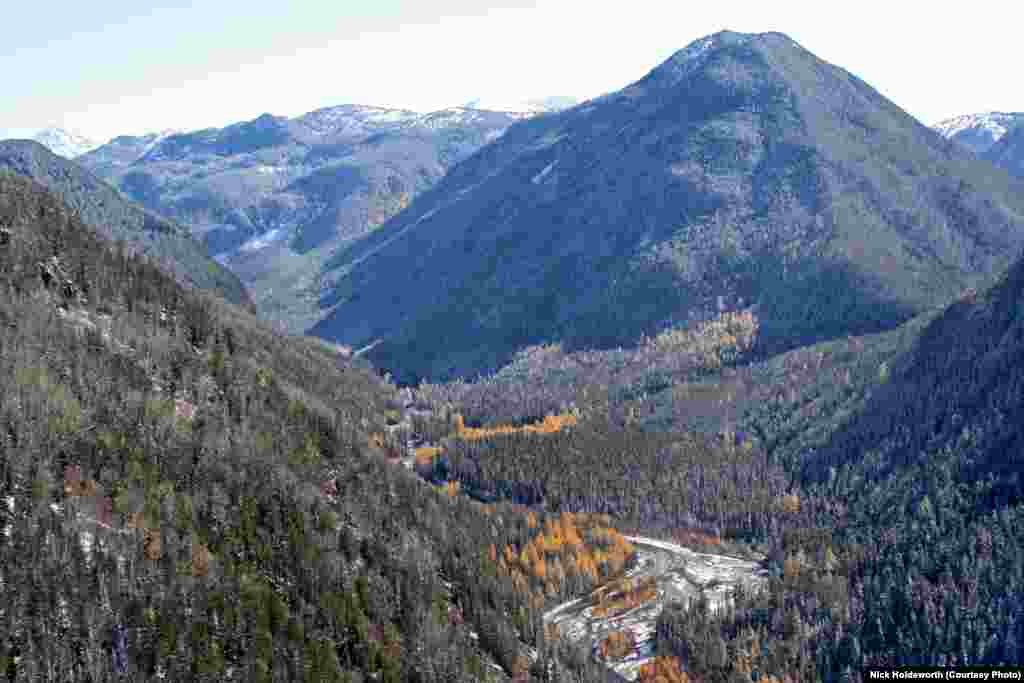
118 218
742 173
979 132
275 198
823 402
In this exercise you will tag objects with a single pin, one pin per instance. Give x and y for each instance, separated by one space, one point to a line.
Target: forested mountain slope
931 469
116 217
951 406
741 172
273 198
188 495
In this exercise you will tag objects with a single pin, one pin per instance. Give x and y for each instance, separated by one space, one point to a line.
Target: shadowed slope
116 217
741 172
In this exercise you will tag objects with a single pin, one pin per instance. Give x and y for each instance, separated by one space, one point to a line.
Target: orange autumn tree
662 670
549 425
569 549
623 596
617 644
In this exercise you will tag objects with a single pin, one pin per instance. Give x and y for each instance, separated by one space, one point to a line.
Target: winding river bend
681 575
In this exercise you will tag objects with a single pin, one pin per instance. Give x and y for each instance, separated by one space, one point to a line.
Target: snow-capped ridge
992 123
506 106
66 143
345 117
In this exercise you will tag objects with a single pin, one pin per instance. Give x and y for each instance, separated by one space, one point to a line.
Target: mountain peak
743 171
726 38
66 143
699 53
979 132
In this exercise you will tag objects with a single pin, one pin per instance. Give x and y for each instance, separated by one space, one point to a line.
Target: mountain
193 496
742 173
996 136
929 472
1008 152
105 160
951 401
274 198
116 217
65 143
978 132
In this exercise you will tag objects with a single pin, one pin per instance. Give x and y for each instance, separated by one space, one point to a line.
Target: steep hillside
952 402
115 217
741 173
931 471
274 198
978 132
1009 151
187 495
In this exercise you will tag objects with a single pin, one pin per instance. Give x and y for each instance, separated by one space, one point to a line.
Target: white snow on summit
994 123
532 106
460 116
510 106
65 143
349 117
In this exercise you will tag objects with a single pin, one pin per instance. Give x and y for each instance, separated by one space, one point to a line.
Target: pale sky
113 67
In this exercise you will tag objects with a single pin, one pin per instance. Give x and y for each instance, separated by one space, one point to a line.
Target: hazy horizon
124 67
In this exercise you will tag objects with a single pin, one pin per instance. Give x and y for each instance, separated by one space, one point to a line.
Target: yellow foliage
661 669
625 596
791 503
617 644
201 557
152 544
425 454
557 571
532 554
549 425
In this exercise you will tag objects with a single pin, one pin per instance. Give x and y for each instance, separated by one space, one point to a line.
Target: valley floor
680 575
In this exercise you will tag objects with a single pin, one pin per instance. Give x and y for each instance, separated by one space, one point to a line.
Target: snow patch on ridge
537 179
66 143
349 117
994 123
264 240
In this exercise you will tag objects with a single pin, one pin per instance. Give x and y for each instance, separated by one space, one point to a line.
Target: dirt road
682 575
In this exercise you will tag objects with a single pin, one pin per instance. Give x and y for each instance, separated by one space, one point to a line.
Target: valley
715 377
